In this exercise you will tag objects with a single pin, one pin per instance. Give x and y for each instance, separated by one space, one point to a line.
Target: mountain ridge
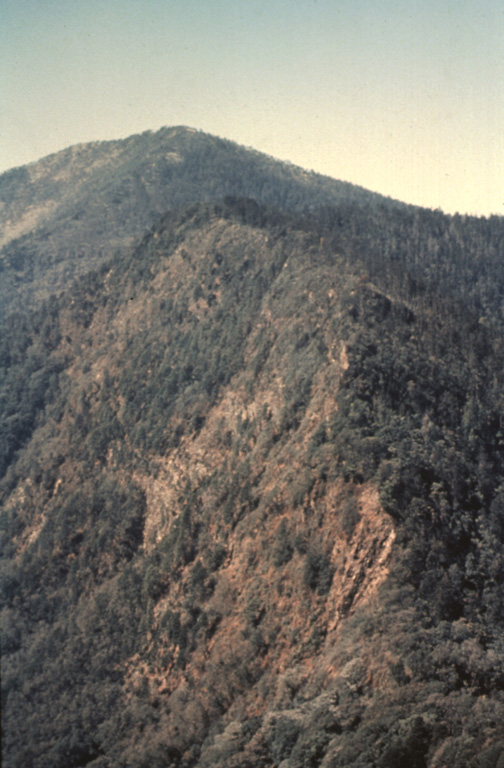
71 210
93 218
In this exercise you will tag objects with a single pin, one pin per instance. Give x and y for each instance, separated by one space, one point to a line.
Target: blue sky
405 97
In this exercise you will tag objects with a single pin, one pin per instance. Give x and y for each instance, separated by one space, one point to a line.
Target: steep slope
255 516
72 210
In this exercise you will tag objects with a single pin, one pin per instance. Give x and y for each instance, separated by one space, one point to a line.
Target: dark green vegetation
253 497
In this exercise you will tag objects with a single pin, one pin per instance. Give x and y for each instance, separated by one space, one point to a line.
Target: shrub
318 572
283 549
283 738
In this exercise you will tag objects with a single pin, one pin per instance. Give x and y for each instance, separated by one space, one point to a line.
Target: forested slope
253 499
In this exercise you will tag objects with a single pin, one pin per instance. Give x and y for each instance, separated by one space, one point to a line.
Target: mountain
253 496
74 209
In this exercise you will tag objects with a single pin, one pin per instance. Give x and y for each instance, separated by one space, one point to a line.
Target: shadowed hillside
253 500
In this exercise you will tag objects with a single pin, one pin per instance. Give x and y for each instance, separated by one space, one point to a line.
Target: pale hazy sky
405 97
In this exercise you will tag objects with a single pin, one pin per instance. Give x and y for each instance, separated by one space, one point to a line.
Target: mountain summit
72 210
252 482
